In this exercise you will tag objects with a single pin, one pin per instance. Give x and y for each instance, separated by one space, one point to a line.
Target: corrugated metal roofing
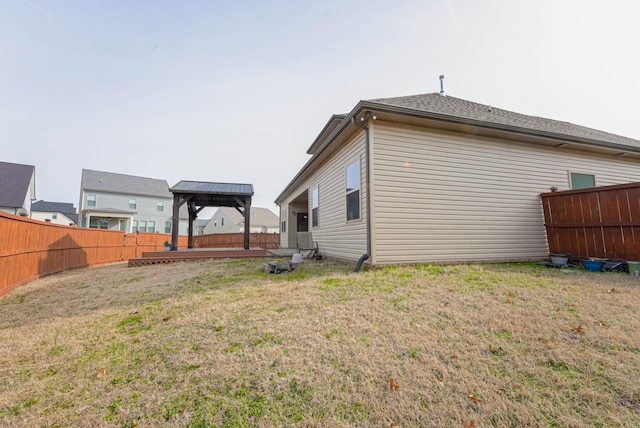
14 183
205 187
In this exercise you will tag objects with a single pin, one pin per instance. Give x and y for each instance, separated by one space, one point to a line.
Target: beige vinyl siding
335 236
444 196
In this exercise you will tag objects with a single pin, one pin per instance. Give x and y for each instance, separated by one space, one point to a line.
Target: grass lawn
221 343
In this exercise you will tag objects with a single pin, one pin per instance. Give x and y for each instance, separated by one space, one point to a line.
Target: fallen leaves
393 385
472 396
101 373
470 424
578 329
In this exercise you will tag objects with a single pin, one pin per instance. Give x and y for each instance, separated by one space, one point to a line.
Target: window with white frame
314 207
91 200
134 226
133 203
54 216
151 226
283 227
167 227
582 181
142 226
353 190
160 206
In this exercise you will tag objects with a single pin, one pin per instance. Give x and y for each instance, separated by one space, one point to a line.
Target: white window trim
572 171
358 189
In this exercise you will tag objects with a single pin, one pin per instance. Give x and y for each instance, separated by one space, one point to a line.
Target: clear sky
236 91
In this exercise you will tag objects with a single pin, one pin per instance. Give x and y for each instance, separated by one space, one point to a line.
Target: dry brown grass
224 344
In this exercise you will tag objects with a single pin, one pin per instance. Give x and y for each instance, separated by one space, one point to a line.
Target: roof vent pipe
442 85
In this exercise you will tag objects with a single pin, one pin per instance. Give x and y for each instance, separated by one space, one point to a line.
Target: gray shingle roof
101 181
56 207
14 183
456 109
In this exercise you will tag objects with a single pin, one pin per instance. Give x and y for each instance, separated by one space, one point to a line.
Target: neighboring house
430 178
230 220
54 212
17 188
126 202
199 226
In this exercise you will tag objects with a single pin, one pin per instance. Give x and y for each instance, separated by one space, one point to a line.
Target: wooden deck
183 255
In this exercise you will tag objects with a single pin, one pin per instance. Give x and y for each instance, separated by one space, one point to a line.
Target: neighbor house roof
14 183
56 207
259 216
100 181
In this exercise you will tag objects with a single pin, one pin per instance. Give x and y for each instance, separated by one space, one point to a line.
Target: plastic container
593 265
634 268
559 258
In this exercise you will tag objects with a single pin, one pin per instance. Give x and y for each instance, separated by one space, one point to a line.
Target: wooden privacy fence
30 249
267 241
601 222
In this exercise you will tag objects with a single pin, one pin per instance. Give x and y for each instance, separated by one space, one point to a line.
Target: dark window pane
353 205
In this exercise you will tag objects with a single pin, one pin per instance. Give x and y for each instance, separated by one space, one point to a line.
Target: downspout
364 117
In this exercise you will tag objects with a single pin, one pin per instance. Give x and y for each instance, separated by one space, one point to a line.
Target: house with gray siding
17 188
230 220
54 212
125 202
433 178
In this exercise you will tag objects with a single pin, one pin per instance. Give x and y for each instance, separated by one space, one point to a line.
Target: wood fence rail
267 241
602 222
30 249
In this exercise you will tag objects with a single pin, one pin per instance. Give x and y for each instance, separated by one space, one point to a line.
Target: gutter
366 115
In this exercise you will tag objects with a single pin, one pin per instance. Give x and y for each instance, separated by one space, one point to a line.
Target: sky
236 91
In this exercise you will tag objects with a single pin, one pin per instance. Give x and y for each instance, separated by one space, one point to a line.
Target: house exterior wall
221 223
60 217
336 236
446 196
146 209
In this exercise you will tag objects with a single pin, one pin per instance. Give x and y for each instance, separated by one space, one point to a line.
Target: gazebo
201 194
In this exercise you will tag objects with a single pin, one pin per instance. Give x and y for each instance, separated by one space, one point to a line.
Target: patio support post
247 222
175 221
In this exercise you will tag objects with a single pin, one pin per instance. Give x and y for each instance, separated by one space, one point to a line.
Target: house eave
387 112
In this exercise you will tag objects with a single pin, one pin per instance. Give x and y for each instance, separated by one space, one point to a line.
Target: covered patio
201 194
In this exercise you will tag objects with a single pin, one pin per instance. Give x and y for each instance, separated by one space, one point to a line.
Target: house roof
457 109
100 181
56 207
463 116
211 194
259 216
14 183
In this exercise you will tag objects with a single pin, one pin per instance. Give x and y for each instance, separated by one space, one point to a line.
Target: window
151 226
133 204
91 200
314 207
582 181
222 221
142 226
353 190
167 227
54 216
99 223
134 226
160 206
122 224
283 227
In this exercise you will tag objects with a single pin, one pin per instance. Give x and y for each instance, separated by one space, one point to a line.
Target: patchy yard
221 343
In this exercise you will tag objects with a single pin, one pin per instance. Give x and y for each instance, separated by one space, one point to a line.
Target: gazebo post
247 222
175 222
